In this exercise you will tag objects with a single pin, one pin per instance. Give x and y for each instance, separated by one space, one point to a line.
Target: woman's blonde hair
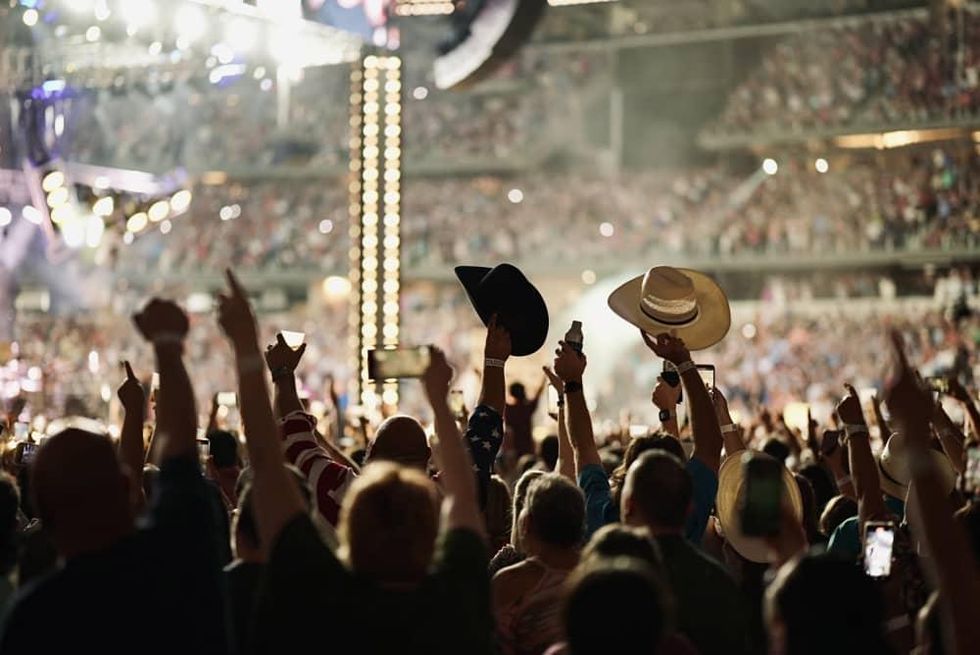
388 524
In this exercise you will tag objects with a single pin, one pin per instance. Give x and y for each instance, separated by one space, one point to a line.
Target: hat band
889 476
669 312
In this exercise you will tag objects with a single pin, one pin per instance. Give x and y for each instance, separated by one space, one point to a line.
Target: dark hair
810 514
517 391
661 488
548 451
822 482
775 447
555 509
852 611
245 524
839 509
611 593
9 504
223 447
618 540
636 447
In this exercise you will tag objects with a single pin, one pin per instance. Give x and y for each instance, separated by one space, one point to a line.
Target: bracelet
684 367
573 387
842 481
489 362
729 427
251 364
165 338
855 428
282 372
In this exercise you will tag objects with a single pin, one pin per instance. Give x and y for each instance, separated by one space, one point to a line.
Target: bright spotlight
336 287
607 229
770 166
138 13
137 222
516 196
180 201
52 181
420 93
94 229
159 210
588 277
104 206
93 34
190 22
31 214
30 17
821 165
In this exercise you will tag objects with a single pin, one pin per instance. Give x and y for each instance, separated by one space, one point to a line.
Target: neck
554 556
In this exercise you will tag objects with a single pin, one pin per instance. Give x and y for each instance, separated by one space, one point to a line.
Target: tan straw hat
893 468
731 488
666 299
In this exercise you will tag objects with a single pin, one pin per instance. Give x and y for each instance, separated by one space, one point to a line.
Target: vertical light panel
375 210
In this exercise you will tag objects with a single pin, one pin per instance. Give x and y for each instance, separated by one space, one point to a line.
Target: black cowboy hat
506 292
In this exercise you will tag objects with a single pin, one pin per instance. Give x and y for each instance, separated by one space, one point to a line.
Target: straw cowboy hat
731 489
688 303
893 468
505 291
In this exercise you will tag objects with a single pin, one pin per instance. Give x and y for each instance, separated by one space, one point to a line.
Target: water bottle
574 337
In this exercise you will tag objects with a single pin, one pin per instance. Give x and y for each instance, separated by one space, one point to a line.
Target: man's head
618 540
388 524
400 439
548 451
81 492
776 448
518 392
223 447
521 489
554 513
657 493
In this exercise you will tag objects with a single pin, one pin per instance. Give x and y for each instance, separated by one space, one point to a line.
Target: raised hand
437 377
910 404
235 314
957 390
667 347
849 408
162 321
569 364
721 407
130 392
281 357
665 396
554 380
498 344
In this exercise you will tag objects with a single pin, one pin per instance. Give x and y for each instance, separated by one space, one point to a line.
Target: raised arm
864 469
957 391
131 452
485 429
950 437
455 464
277 498
665 398
704 423
496 352
730 432
949 558
165 325
566 460
569 365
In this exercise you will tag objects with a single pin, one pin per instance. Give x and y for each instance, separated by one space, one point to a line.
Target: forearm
457 477
864 476
580 429
176 412
565 465
732 437
492 389
845 486
952 440
287 396
670 425
131 452
704 422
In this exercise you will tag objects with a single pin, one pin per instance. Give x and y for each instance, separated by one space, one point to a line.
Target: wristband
842 481
282 372
489 362
251 364
572 387
729 427
166 338
684 367
855 428
666 415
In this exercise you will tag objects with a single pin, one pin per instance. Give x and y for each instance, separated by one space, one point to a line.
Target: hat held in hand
506 292
688 303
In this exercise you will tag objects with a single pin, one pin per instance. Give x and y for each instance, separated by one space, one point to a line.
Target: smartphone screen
879 538
707 372
397 363
762 500
672 377
203 449
456 404
28 453
228 399
971 478
293 339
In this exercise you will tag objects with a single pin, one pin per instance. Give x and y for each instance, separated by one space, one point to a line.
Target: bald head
80 491
657 492
400 439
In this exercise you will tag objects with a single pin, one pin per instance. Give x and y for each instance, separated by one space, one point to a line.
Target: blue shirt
846 539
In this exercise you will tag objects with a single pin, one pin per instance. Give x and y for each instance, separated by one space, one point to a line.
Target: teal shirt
846 539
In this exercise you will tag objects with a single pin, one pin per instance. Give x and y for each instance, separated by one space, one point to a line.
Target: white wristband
165 338
729 427
493 363
684 367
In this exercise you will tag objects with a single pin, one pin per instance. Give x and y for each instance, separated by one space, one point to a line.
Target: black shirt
242 579
158 590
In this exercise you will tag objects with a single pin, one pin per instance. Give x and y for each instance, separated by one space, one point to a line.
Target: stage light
606 229
165 227
52 181
159 211
180 201
266 84
128 238
30 17
138 13
190 22
770 166
516 196
420 93
155 48
63 214
93 34
326 226
58 197
102 11
73 233
31 214
137 222
821 165
94 229
748 331
101 183
104 206
223 52
336 288
588 277
5 217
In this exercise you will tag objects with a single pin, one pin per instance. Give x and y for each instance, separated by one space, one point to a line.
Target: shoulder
511 583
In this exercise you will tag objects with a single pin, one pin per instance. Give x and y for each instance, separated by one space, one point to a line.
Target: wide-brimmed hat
505 291
731 490
893 468
675 299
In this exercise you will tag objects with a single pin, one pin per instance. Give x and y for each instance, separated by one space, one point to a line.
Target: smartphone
670 375
707 372
763 496
552 401
938 384
397 363
830 441
456 404
228 398
879 538
293 339
27 453
203 449
971 477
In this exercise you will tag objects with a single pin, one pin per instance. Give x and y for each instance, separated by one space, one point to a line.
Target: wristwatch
666 415
572 387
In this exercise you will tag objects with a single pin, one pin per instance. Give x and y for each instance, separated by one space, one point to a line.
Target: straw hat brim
892 486
708 328
731 480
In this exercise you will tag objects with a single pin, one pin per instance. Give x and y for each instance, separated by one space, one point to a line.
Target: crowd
895 72
715 534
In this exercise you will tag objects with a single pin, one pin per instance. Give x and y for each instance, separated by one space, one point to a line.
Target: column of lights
375 191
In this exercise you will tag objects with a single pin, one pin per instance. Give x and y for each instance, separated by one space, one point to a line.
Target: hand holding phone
879 539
